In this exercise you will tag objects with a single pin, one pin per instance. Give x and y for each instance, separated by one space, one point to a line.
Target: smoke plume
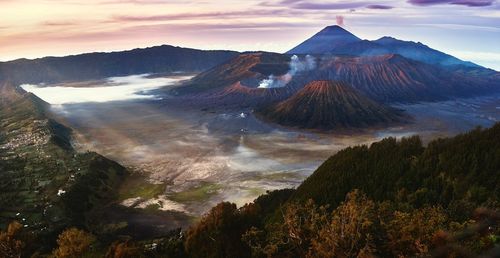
296 65
340 20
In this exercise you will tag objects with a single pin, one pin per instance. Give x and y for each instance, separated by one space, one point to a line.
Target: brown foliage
123 250
10 246
219 232
349 230
412 233
73 242
360 227
311 231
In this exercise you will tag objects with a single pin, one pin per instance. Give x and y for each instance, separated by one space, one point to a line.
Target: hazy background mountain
160 59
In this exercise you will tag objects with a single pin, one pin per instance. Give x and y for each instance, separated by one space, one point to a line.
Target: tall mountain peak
324 41
334 29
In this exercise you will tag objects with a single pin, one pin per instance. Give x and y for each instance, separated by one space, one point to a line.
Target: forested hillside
390 199
458 172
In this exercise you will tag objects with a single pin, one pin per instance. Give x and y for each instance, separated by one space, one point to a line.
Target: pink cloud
470 3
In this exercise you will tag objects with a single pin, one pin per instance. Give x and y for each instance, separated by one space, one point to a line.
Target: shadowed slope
44 182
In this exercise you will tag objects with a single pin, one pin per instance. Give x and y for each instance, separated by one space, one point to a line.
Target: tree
412 233
123 250
218 234
10 246
350 230
73 242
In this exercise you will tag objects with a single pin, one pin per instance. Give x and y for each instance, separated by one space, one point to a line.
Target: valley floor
190 159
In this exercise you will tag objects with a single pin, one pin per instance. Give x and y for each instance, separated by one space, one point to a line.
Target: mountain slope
242 96
44 183
160 59
393 78
458 173
421 52
325 41
329 105
361 48
251 67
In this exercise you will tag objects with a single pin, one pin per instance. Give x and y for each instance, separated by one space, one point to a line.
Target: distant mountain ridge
159 59
338 41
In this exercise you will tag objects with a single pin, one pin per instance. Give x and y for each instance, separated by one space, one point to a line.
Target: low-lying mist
134 87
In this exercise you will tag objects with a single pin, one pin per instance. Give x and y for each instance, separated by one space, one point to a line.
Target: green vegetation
137 186
459 173
199 193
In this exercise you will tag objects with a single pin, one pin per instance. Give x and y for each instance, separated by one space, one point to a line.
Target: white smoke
296 65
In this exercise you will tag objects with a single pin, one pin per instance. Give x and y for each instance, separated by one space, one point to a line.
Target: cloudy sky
469 29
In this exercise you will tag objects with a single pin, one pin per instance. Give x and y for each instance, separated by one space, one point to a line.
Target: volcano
325 40
338 41
394 78
249 67
385 78
327 105
387 70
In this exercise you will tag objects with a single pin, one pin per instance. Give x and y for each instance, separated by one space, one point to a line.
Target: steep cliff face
329 105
